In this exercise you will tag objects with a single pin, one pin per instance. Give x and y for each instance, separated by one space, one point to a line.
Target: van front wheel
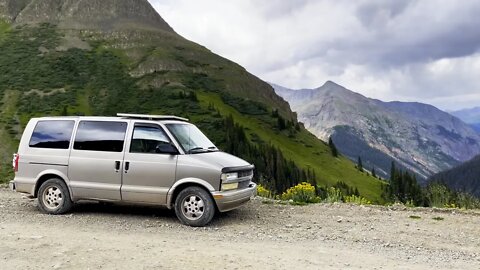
194 207
54 198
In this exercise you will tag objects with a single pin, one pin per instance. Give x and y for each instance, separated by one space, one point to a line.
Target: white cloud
426 51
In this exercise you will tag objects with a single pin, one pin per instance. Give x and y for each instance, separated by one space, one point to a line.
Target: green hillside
46 71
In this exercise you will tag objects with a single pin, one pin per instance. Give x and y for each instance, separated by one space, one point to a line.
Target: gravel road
257 236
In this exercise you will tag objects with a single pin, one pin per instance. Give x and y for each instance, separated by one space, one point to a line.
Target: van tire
194 207
54 197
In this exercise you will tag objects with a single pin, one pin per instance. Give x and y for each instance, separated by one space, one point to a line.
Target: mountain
419 137
86 14
470 116
476 127
465 177
100 57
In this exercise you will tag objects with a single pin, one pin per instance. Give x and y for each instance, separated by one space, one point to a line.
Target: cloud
426 50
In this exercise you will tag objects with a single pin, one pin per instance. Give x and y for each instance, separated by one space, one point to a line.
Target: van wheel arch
45 178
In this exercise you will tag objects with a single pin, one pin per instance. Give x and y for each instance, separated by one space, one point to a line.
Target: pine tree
64 111
392 171
281 123
373 172
297 126
359 164
333 148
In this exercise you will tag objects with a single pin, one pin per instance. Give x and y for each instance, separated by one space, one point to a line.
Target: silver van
146 159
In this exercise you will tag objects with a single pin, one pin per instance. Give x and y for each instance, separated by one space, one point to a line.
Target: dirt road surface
257 236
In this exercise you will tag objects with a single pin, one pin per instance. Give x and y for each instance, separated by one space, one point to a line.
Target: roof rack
152 117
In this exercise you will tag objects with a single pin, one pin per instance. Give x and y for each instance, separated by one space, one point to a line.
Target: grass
4 28
438 218
415 217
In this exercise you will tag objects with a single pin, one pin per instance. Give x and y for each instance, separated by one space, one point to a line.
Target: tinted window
100 136
146 139
52 134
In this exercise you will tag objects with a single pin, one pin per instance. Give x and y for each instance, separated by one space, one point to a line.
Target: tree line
404 187
272 168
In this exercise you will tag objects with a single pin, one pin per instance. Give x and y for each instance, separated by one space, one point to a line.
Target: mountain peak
105 15
331 84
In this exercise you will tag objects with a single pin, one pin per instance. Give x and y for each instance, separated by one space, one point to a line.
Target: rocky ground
257 236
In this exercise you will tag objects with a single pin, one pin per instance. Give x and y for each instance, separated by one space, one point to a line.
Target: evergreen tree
64 111
392 171
373 172
275 112
297 126
333 148
360 164
281 123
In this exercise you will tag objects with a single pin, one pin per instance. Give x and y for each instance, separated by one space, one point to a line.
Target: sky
408 50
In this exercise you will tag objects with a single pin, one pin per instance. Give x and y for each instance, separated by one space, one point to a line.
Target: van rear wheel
194 207
54 197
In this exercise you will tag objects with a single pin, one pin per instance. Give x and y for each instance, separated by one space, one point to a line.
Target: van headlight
229 176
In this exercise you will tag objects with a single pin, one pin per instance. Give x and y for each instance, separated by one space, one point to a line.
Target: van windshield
191 138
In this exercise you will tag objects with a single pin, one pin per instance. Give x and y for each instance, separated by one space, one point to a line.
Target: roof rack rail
151 117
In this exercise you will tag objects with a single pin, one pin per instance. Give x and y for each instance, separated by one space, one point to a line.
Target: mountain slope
418 136
469 116
476 126
54 62
465 177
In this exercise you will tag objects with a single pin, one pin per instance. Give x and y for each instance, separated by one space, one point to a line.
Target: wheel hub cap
193 207
52 197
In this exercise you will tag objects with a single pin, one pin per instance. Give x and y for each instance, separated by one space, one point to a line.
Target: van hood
222 159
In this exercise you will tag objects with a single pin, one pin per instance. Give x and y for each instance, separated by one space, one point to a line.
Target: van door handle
117 165
127 166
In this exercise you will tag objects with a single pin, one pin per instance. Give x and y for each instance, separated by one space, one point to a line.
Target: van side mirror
166 148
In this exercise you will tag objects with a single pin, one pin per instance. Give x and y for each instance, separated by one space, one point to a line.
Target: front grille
246 173
243 184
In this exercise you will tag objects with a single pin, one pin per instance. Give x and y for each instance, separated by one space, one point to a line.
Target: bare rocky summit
85 14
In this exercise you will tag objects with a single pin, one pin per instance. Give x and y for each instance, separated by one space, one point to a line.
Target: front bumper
11 185
229 200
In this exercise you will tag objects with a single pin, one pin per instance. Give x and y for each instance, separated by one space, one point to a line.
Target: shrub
333 195
6 172
301 193
438 195
356 200
263 192
467 201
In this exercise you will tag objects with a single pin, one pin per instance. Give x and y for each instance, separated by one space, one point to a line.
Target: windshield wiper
197 150
212 149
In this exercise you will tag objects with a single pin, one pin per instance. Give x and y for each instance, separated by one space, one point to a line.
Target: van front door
148 173
96 159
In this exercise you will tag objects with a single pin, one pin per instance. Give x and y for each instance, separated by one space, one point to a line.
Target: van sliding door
96 159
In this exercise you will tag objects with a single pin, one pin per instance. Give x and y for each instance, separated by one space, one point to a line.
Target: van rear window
100 136
54 134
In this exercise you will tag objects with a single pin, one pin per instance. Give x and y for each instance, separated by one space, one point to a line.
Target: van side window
147 139
52 134
100 136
